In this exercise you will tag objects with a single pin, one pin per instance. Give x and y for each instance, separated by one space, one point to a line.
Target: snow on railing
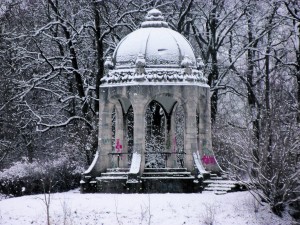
198 163
93 164
134 169
171 75
135 163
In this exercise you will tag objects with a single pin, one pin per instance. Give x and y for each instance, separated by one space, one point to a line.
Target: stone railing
133 175
201 172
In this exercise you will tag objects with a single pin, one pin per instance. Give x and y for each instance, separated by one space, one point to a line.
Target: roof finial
109 63
140 64
200 63
154 18
187 63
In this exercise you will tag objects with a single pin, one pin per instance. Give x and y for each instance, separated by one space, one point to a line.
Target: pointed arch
155 135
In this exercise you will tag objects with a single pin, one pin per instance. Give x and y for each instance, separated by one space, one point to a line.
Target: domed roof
160 45
154 53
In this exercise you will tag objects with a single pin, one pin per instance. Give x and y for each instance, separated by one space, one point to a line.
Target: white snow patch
135 164
147 83
198 163
161 209
159 46
93 163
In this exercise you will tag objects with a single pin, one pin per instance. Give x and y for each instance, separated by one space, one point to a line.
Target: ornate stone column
190 134
105 134
205 145
119 137
173 159
139 103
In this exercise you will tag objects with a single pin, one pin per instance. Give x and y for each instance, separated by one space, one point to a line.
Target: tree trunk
298 75
74 61
100 55
251 97
298 95
214 74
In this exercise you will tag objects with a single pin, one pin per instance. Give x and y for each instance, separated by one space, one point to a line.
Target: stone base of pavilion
155 180
152 180
158 180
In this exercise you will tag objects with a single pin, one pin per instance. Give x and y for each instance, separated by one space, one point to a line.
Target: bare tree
261 145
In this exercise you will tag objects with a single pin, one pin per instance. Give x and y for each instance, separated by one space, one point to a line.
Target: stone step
217 189
114 174
108 178
166 174
168 178
117 169
222 185
165 169
216 178
210 181
219 186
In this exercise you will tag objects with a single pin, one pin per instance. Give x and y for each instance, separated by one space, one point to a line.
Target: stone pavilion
154 116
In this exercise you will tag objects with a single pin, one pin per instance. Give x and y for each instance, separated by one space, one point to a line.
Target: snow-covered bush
22 177
271 173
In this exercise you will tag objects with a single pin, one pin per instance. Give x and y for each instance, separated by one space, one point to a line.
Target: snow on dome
154 14
154 53
154 18
161 46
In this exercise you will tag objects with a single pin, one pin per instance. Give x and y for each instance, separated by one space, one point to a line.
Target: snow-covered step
222 185
111 178
117 169
217 189
166 178
114 174
170 174
220 182
165 169
219 185
216 178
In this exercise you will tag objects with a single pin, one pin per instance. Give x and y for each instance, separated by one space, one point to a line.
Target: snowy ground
162 209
